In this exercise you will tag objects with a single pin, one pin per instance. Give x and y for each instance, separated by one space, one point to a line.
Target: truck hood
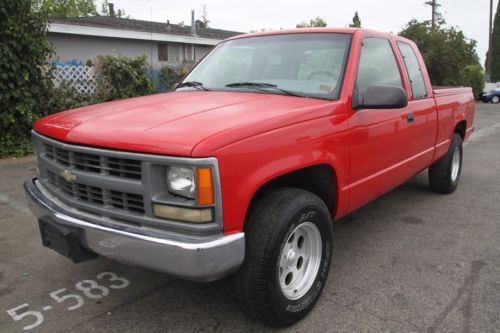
174 123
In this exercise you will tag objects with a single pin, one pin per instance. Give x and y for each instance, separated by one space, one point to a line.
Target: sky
471 16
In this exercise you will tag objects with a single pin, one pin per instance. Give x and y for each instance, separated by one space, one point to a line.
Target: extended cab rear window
414 70
305 64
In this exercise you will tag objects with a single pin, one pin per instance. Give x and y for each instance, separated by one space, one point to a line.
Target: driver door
380 137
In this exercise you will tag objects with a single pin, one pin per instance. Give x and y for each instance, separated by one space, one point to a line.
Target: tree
495 48
24 87
356 22
472 76
118 12
317 22
203 21
73 8
446 51
65 8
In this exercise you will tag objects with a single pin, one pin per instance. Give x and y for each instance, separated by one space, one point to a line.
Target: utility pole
434 5
489 57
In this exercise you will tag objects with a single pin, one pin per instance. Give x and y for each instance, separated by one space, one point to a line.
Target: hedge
27 91
24 88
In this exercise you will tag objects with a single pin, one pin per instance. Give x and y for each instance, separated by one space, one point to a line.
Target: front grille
97 196
116 188
118 167
127 201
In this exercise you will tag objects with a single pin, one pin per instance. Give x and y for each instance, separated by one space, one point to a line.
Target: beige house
163 44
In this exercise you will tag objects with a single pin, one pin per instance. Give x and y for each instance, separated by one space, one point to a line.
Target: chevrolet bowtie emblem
68 176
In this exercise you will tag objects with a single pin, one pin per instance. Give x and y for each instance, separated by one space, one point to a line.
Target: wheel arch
461 128
310 178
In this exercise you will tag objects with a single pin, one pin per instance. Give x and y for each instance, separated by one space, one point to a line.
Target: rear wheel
444 175
288 250
495 99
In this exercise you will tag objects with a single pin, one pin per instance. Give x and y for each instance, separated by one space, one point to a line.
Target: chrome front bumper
203 259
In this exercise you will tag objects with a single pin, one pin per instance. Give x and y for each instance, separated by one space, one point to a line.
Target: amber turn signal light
205 186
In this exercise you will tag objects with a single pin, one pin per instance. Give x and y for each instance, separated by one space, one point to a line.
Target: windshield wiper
250 84
263 86
192 84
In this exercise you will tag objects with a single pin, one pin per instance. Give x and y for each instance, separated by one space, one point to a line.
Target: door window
377 65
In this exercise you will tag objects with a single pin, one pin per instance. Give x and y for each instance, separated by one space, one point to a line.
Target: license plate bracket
67 241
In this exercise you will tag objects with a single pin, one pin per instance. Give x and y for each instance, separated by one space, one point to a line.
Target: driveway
411 261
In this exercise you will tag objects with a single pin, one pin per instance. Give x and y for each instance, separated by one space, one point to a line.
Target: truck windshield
303 64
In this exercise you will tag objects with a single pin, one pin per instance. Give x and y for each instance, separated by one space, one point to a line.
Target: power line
391 13
397 27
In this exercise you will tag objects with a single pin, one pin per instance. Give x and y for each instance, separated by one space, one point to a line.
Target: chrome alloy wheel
455 164
299 261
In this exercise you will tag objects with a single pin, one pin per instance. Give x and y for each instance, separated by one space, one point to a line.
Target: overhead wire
396 11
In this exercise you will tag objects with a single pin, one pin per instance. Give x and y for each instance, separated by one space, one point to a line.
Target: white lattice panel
82 78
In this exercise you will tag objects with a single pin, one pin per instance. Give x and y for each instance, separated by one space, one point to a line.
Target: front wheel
288 251
445 173
495 99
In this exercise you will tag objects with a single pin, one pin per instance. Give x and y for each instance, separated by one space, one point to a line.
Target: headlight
191 182
181 181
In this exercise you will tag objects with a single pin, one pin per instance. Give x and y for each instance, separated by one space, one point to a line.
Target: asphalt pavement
411 261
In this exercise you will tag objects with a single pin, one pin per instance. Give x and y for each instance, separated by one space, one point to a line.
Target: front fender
247 165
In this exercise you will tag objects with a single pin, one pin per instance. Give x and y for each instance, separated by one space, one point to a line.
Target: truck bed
449 90
454 105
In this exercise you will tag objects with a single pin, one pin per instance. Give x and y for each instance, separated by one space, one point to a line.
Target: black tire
441 172
495 99
269 228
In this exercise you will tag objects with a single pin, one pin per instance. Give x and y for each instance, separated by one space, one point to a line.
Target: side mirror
381 97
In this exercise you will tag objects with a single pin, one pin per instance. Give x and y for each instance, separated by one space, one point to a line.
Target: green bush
472 76
172 76
24 90
122 77
65 97
27 91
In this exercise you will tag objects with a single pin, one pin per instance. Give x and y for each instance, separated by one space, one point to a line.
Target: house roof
110 22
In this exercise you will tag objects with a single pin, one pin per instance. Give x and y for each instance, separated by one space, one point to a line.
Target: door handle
410 118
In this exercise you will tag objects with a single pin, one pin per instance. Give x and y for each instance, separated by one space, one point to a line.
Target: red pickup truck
244 167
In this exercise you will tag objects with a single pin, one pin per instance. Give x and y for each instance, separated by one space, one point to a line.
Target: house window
188 52
169 52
